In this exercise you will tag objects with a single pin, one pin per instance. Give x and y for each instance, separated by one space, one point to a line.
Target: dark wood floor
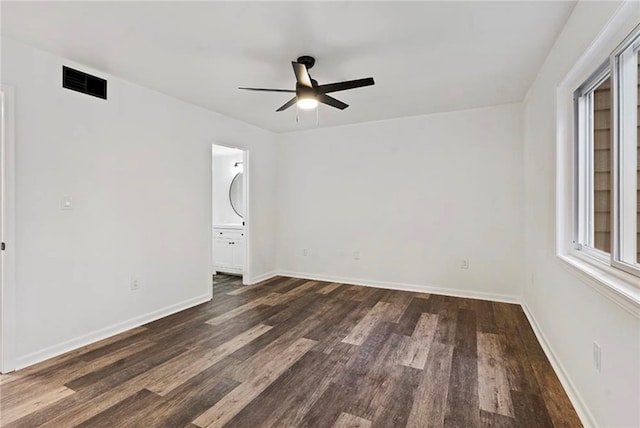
292 352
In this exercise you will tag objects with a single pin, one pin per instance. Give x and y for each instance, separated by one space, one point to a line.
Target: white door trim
212 270
246 170
246 266
7 230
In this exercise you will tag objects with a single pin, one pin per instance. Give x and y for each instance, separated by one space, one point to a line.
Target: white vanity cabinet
228 249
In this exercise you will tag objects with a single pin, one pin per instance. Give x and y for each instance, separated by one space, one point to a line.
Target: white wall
139 169
414 196
569 312
223 173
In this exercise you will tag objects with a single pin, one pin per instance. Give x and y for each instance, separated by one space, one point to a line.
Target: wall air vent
83 82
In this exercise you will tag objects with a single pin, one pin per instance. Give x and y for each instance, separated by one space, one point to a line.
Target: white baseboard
103 333
406 287
585 415
262 277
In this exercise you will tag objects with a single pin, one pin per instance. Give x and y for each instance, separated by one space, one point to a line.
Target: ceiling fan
309 93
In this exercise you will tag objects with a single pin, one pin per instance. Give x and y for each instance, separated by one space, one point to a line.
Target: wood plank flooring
296 353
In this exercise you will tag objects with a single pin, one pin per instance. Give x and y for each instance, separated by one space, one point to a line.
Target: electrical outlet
464 264
304 252
135 283
66 203
597 356
356 255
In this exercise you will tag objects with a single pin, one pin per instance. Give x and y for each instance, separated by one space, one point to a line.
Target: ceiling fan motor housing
307 60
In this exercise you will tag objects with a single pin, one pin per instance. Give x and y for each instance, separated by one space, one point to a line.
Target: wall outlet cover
66 203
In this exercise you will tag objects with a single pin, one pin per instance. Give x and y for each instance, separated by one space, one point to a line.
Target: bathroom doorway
230 232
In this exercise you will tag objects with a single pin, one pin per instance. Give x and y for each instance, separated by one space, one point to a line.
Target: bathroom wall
224 170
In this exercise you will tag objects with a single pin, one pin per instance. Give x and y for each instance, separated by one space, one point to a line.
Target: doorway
7 233
230 237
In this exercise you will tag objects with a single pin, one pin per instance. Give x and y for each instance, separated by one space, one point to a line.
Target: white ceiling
425 56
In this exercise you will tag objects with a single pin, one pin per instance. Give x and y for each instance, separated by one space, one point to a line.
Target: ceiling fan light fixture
308 94
307 103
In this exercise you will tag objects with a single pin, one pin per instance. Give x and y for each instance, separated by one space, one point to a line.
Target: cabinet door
238 254
222 253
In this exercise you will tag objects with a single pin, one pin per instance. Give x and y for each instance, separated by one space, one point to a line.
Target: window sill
618 286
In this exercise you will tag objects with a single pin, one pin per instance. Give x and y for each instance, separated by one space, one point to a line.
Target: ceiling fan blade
326 99
288 104
268 90
302 75
343 86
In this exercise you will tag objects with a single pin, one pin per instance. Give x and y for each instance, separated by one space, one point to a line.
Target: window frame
632 41
583 160
618 286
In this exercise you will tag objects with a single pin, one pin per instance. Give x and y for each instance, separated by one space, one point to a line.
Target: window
625 137
593 107
607 153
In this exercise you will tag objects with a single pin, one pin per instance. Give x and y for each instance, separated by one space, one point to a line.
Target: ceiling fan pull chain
297 112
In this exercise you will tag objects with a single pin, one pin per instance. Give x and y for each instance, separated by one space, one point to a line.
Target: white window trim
617 285
583 216
625 170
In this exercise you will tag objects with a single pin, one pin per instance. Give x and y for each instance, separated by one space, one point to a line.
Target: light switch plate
597 356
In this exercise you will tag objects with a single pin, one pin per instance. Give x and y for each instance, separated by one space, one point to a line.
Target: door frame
246 267
7 230
246 170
